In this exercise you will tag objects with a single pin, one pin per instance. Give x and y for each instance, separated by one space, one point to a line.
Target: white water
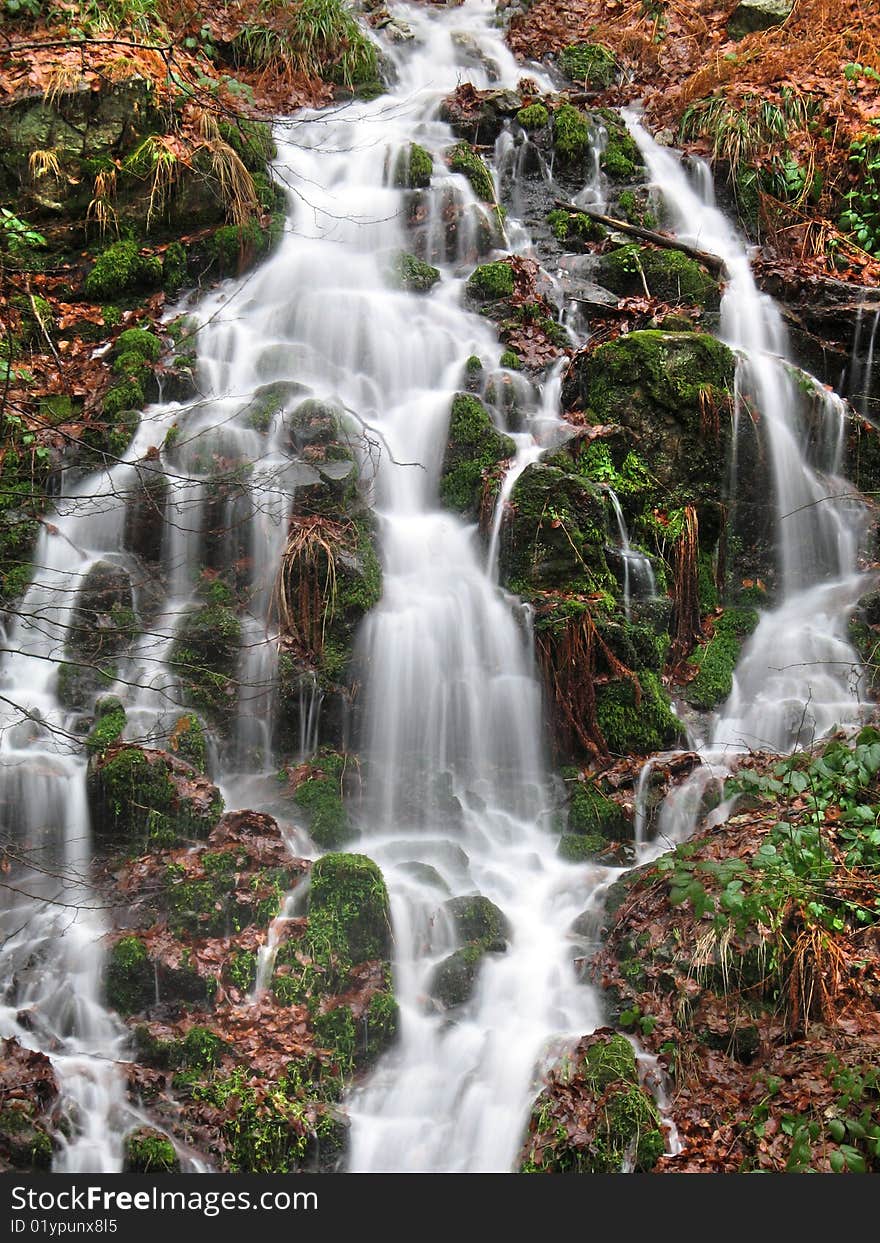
455 772
638 573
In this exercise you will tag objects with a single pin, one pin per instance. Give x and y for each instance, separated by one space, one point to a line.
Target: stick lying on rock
712 262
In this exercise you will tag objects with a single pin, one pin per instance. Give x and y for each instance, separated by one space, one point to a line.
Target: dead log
712 262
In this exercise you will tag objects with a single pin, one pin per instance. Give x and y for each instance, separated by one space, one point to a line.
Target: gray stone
752 15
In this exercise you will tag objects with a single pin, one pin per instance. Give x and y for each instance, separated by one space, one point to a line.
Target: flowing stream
458 795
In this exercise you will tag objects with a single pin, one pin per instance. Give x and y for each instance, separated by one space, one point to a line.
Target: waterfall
458 797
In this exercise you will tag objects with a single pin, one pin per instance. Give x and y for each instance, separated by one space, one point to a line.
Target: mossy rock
533 117
592 64
129 978
414 275
591 813
474 448
581 847
109 724
621 160
413 168
662 389
637 726
321 796
204 656
148 1151
189 741
572 136
142 797
349 915
575 229
121 269
491 282
475 918
138 341
103 621
464 159
717 658
610 1119
553 537
670 275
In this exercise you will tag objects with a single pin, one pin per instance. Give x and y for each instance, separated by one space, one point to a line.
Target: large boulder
750 16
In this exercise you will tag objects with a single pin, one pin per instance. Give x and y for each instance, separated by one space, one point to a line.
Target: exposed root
305 588
686 594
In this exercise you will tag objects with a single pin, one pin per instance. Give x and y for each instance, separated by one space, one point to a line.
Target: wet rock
103 619
148 1151
348 903
753 15
148 798
474 450
477 919
606 1117
28 1089
145 500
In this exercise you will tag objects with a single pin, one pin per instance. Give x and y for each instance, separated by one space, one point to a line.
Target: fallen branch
712 262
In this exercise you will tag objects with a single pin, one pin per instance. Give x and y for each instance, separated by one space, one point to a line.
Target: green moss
535 116
251 140
464 159
107 728
149 1152
572 135
413 168
133 366
321 797
133 797
204 657
475 918
633 728
241 970
575 227
669 274
380 1025
139 341
491 281
336 1030
555 538
474 448
590 63
349 917
717 658
120 269
188 740
581 848
235 247
591 813
414 275
129 980
200 1049
174 267
453 980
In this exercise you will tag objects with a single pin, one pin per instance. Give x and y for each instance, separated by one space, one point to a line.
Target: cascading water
457 790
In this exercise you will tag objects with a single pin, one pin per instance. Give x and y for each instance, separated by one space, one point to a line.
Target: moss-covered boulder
636 717
148 1151
129 980
491 281
475 918
573 136
413 275
593 820
672 392
484 929
534 117
145 499
412 168
593 1116
670 275
591 64
349 915
109 724
103 620
143 798
716 659
122 269
204 653
553 534
320 795
474 449
462 158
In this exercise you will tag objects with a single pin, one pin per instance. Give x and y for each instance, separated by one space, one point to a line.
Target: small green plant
861 214
17 236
